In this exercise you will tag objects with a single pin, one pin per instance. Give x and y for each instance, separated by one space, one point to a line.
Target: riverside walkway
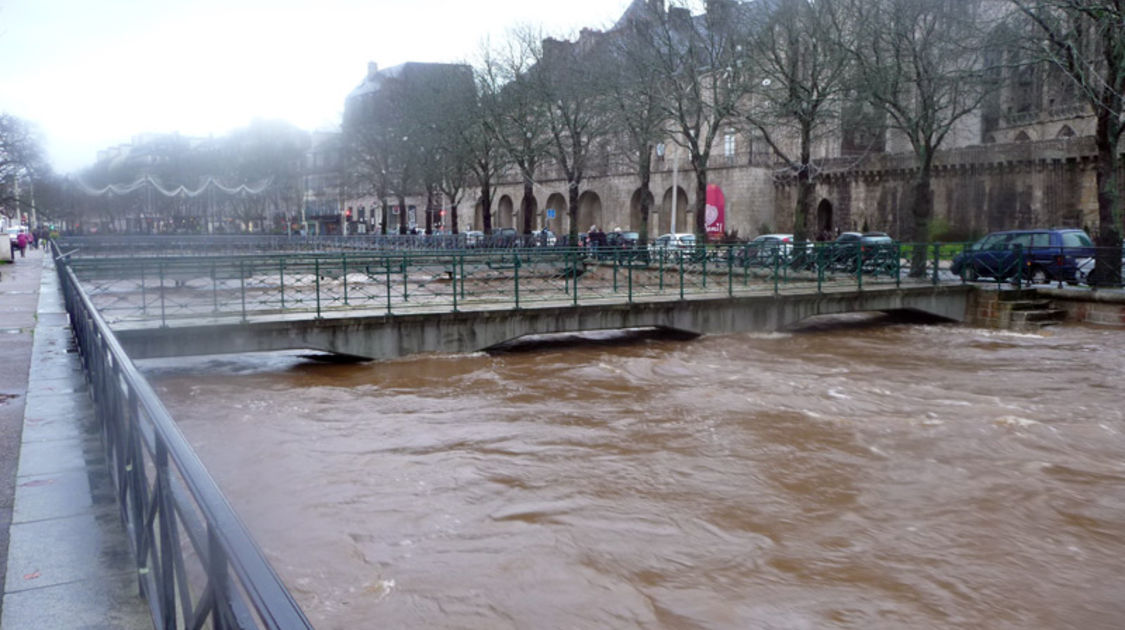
64 557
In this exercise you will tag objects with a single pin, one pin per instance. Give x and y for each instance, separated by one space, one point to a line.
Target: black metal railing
197 564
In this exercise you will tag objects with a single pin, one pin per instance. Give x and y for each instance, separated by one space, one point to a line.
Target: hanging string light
179 191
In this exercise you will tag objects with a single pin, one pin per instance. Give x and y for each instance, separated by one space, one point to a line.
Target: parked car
764 249
1047 255
670 241
876 251
474 239
1086 267
545 238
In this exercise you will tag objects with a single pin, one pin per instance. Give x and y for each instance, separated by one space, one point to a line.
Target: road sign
550 213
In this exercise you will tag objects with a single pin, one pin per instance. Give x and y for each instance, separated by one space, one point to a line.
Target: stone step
1046 315
1029 305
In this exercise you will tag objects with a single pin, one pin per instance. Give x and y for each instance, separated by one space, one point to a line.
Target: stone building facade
1025 159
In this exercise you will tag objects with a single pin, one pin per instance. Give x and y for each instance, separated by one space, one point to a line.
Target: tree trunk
922 202
646 180
429 210
453 218
572 212
386 217
401 214
486 207
700 205
804 187
1107 263
525 206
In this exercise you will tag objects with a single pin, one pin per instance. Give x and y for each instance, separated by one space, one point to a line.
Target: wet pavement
66 562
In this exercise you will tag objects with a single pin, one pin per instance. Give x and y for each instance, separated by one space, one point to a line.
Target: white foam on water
1016 421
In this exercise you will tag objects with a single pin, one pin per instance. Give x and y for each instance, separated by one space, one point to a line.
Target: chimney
372 69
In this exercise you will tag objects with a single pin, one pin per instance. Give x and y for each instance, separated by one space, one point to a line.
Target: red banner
714 221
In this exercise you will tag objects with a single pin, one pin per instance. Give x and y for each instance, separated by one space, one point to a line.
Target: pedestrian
21 243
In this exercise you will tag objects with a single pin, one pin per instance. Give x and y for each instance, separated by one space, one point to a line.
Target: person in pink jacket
21 242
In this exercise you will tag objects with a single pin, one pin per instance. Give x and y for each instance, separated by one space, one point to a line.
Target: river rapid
857 474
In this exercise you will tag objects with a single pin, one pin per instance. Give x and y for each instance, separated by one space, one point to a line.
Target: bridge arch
665 223
590 211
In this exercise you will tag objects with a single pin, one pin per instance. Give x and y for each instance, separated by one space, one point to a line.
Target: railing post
703 253
344 260
214 290
730 273
316 270
405 280
818 261
516 275
859 266
680 255
163 319
242 286
453 278
387 266
630 273
1019 267
166 515
574 274
281 277
144 296
776 269
616 260
937 252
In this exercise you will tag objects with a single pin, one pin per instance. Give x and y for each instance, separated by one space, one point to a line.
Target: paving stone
112 603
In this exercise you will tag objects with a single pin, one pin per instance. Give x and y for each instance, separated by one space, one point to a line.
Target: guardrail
210 245
196 561
170 288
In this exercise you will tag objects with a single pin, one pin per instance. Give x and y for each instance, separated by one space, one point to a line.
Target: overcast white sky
92 73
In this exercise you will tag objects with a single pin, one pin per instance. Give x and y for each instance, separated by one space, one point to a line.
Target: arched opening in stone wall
636 217
1022 137
589 211
530 208
504 215
825 225
560 224
1065 132
682 224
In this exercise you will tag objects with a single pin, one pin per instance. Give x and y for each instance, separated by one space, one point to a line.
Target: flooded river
847 476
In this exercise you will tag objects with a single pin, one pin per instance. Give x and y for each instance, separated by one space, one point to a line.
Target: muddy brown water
848 476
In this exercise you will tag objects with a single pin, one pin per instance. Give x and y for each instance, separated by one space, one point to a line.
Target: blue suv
1047 255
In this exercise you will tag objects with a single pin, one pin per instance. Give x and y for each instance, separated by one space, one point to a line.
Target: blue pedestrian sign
550 213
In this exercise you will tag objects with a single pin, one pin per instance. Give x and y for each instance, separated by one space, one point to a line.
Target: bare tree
919 62
20 155
702 74
635 107
514 112
1086 40
801 66
567 80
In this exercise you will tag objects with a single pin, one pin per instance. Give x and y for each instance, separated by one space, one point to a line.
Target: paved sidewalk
66 561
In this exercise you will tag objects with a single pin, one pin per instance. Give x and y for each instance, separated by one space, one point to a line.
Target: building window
728 144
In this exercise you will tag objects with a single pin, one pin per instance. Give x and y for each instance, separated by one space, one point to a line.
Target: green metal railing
429 281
